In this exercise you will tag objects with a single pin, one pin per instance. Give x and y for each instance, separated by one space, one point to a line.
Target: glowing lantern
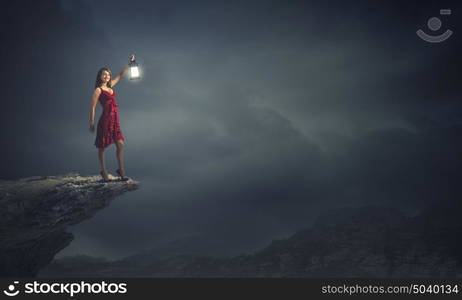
134 69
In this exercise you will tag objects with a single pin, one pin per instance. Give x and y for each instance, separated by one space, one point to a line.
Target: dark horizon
251 117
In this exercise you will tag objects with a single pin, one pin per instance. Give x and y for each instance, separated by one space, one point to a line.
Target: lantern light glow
134 72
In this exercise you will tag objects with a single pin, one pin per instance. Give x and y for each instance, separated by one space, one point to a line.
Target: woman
108 130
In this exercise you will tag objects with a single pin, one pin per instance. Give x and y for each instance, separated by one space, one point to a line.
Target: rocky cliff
36 210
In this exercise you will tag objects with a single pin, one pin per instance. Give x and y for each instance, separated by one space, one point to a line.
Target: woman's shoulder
97 91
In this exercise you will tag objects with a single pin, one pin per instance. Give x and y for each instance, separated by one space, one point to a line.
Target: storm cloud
250 118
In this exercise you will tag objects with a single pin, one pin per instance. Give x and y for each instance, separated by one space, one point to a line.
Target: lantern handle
132 58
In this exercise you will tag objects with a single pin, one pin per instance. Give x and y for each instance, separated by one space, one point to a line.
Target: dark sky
251 116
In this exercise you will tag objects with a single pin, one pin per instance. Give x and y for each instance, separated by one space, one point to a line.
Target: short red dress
108 130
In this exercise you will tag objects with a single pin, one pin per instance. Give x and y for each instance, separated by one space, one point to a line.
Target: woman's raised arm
117 78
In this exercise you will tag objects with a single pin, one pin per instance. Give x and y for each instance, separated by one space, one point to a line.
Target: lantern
134 69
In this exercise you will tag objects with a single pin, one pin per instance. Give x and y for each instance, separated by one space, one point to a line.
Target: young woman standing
108 127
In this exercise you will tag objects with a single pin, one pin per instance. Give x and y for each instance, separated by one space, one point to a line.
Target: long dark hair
98 77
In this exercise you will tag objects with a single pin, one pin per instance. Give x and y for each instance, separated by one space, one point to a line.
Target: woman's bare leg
102 163
120 156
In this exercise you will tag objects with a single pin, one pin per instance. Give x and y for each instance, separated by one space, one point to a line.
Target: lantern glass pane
134 72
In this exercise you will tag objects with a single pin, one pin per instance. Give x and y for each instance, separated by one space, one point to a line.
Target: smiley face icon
11 292
434 24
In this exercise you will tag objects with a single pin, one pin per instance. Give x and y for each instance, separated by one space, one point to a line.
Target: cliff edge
35 211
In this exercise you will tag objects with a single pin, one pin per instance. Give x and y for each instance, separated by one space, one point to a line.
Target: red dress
108 130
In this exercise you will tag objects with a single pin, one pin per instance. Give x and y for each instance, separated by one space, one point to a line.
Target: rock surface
36 210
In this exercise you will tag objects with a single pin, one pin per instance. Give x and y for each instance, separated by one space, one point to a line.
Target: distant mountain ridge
371 241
